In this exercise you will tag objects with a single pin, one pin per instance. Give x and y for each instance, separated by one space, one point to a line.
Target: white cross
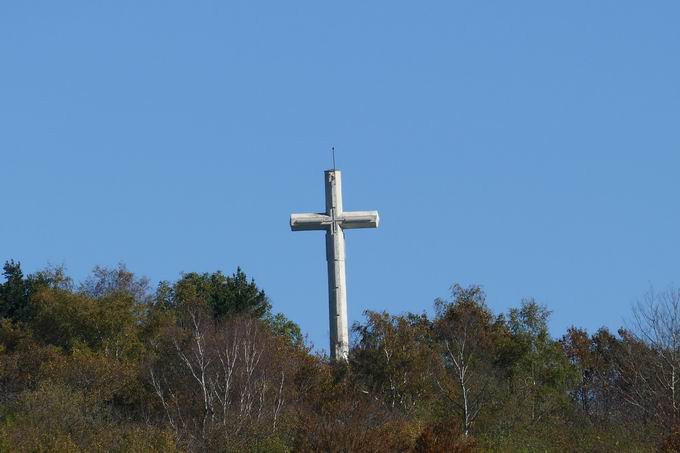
334 221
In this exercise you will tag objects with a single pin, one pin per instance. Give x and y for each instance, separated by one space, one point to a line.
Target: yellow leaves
21 368
109 324
55 418
10 334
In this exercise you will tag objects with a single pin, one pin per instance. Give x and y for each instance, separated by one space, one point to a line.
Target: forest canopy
204 364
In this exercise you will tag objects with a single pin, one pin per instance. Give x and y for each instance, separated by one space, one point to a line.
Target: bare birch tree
224 378
651 356
463 327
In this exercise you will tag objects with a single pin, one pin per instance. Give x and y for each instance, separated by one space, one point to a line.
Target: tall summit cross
335 221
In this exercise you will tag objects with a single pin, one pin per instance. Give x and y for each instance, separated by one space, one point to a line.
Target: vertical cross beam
335 256
334 222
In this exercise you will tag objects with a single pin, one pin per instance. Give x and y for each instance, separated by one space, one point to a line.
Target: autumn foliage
203 364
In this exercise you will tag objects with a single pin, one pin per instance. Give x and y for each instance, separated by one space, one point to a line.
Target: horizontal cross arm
359 219
309 221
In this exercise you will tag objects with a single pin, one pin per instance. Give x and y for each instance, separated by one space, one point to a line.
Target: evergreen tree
224 295
14 293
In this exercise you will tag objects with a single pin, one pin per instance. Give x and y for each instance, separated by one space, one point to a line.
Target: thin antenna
333 151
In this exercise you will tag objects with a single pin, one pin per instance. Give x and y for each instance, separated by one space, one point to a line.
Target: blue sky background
531 147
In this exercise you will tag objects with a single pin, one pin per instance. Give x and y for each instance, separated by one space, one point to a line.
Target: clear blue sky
530 147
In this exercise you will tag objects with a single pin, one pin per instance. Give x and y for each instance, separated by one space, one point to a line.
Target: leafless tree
104 281
650 365
464 328
224 377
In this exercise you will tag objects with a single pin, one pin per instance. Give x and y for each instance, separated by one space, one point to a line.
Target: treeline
203 364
